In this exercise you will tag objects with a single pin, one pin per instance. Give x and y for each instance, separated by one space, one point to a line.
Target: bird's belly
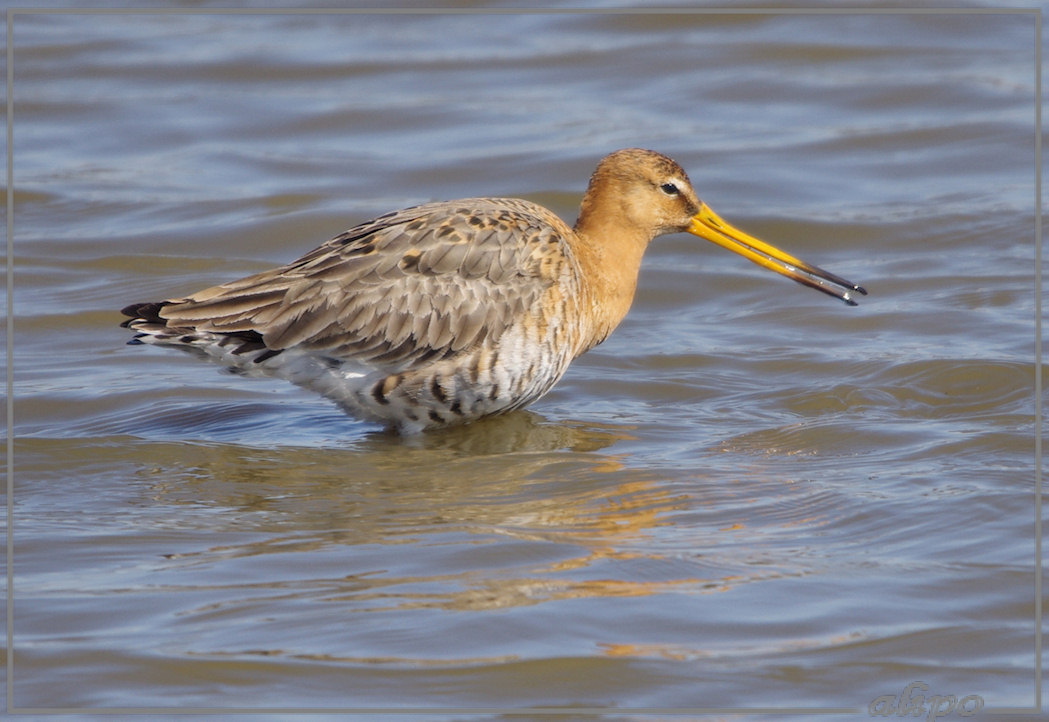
490 379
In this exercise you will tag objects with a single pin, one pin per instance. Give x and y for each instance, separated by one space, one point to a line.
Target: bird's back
429 315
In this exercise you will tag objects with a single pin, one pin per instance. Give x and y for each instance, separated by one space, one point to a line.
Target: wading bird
447 312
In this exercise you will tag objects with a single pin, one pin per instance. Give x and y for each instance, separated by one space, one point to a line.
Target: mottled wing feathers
407 287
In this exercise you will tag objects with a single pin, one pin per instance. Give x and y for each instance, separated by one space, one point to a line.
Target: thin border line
527 11
1038 360
417 711
1038 611
10 357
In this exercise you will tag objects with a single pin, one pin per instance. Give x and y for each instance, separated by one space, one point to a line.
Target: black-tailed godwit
447 312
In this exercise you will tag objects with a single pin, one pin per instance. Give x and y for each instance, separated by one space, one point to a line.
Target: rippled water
750 498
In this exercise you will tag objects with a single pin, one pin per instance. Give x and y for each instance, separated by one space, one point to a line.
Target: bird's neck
609 258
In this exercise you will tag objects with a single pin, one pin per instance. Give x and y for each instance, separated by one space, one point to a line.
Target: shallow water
751 497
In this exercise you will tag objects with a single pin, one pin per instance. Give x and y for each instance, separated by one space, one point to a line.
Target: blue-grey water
750 498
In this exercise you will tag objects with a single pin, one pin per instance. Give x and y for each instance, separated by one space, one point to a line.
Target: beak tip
848 299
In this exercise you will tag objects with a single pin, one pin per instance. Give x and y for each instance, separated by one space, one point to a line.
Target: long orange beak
706 224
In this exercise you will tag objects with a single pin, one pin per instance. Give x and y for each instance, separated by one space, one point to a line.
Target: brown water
750 498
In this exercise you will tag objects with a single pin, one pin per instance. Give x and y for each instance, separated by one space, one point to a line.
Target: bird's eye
669 188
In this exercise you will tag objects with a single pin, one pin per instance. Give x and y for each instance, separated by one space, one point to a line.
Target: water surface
750 497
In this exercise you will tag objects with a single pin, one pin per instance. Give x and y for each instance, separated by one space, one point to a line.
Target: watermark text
912 703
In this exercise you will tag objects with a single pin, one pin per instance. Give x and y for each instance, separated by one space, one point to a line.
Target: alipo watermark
912 703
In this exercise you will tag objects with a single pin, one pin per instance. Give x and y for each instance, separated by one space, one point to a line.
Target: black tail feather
143 311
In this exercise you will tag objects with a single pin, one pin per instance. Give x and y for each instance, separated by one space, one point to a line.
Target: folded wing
406 288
